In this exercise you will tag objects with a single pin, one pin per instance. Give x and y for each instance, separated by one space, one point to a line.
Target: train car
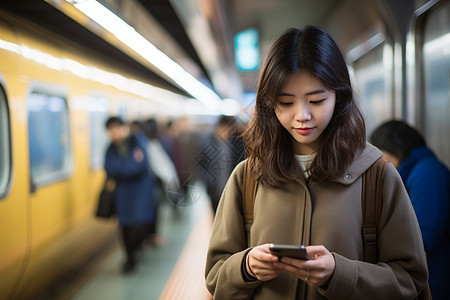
54 99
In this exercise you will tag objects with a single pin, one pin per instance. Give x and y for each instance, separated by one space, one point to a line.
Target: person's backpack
371 203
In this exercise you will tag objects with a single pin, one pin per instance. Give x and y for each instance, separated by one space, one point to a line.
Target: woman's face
304 109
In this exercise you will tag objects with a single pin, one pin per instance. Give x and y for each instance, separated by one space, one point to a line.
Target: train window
436 60
48 130
372 87
98 114
5 146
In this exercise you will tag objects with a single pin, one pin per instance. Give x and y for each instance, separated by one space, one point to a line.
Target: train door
14 209
14 244
50 167
436 81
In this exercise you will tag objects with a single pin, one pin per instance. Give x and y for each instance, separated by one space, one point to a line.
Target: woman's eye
316 101
285 103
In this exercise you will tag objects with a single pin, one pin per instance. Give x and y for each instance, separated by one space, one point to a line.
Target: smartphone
294 251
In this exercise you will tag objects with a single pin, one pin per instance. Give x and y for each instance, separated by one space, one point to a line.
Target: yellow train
54 99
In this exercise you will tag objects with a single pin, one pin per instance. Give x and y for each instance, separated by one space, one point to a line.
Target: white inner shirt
305 162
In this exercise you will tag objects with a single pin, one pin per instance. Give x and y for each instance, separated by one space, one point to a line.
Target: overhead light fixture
116 80
130 37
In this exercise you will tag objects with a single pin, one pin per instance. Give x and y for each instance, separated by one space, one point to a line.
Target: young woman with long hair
307 149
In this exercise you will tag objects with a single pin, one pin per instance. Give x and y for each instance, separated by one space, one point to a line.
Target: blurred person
127 163
218 157
164 171
136 127
237 142
307 152
186 149
427 182
167 137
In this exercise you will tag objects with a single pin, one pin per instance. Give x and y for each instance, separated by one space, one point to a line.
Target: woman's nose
302 113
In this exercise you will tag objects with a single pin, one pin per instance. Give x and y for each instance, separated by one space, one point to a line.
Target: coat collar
362 161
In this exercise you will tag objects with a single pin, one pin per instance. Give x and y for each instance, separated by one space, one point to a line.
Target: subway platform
173 270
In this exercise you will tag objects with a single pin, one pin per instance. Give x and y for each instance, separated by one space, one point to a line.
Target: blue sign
246 50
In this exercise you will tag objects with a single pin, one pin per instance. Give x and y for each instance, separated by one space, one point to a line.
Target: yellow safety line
187 280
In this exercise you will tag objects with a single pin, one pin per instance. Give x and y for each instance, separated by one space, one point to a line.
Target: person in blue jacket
127 163
427 182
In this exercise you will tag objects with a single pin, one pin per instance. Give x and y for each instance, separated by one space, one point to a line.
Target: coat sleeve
228 245
402 270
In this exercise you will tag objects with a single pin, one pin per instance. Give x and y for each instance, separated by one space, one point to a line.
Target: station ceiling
226 18
223 19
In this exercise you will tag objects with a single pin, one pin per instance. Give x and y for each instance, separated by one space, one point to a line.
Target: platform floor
174 270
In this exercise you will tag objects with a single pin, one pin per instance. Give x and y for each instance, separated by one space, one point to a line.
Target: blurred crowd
153 163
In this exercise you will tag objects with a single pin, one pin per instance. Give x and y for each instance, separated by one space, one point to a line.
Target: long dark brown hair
268 144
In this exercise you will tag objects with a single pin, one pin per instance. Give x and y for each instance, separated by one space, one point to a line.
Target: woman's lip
303 130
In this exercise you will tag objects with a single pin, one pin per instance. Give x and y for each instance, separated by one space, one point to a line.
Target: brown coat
326 214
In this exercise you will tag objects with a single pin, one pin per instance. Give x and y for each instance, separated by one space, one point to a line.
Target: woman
307 148
427 181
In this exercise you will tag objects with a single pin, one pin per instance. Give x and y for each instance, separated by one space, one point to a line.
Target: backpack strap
371 204
372 201
249 186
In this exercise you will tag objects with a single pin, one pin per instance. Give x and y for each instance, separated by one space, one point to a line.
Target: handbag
105 207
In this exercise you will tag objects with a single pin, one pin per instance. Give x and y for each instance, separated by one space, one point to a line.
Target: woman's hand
260 263
315 272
